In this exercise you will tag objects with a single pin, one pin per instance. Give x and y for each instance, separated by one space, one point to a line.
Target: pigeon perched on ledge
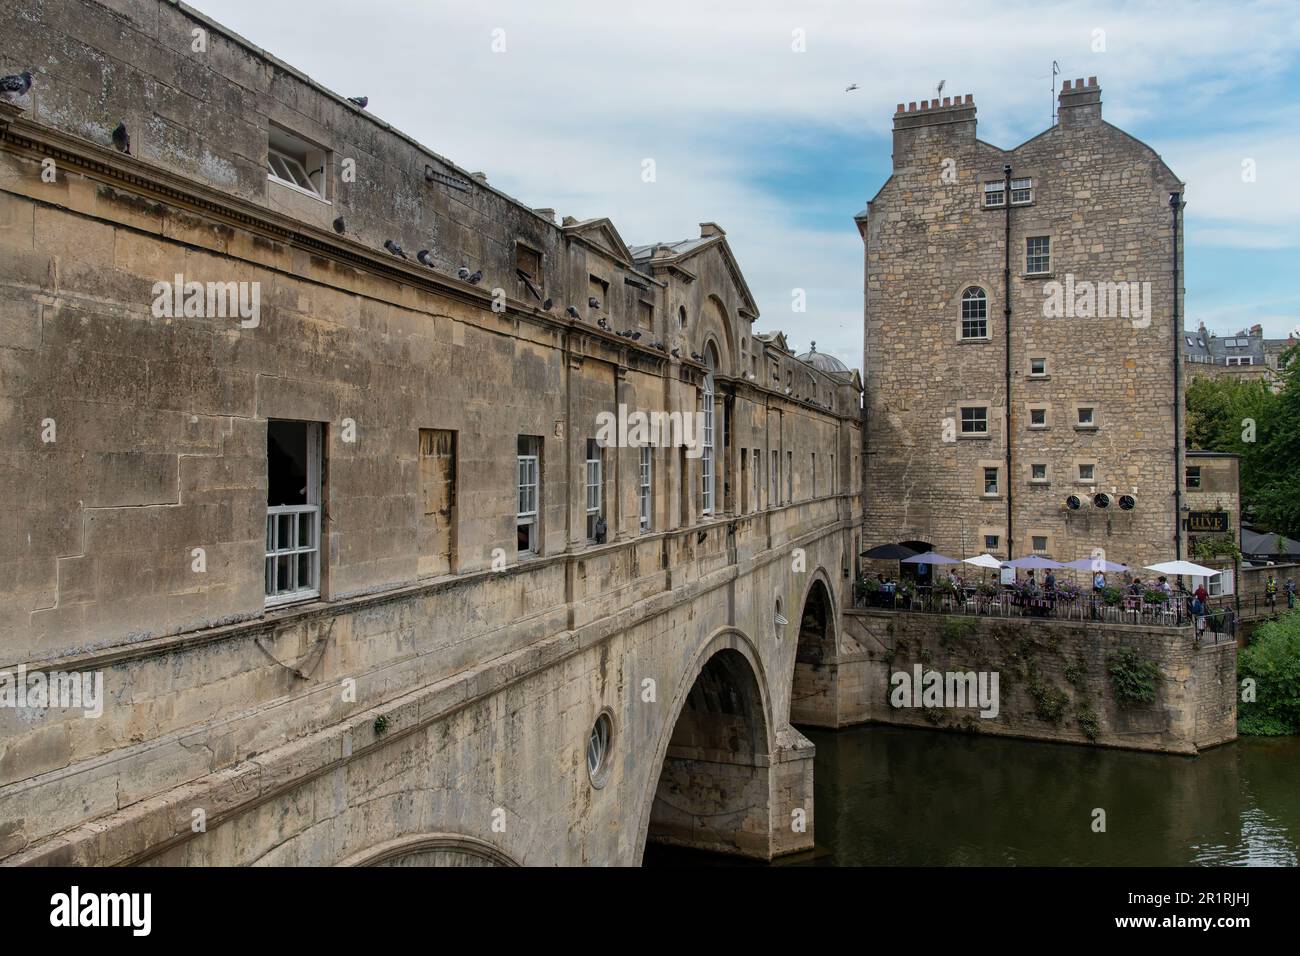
677 353
593 302
425 258
339 225
572 312
462 273
476 278
17 84
122 139
658 346
698 357
603 324
394 248
547 305
361 101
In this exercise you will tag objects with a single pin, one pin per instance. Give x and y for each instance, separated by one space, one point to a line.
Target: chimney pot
970 99
1078 83
900 107
1092 81
1065 87
911 107
947 101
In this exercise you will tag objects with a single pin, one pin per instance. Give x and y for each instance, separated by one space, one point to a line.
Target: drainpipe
1006 331
1175 205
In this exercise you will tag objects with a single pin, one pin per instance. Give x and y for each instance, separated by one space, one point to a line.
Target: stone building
1020 349
309 460
1212 497
1246 356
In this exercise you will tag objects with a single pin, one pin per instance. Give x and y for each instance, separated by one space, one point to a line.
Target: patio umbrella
1035 562
984 561
888 552
1092 564
930 557
1181 567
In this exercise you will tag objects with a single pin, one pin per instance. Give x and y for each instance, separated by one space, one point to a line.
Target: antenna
939 89
1056 69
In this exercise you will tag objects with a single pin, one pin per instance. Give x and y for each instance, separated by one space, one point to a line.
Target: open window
293 511
529 487
297 163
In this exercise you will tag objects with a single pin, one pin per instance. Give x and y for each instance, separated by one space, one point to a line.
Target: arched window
706 437
974 314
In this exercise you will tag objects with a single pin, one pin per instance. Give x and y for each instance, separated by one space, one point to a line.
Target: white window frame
1023 186
706 442
979 309
595 487
1091 477
1045 256
284 527
1240 360
528 486
289 170
645 476
1090 421
997 189
1034 374
997 480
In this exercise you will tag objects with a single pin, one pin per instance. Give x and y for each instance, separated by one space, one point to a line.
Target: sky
743 110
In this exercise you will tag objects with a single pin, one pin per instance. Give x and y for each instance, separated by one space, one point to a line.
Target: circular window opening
598 747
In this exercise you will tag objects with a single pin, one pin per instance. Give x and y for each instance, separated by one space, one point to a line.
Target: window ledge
294 187
984 437
1038 378
974 339
1087 428
1037 275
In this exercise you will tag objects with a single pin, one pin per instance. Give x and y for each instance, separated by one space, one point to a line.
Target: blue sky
742 107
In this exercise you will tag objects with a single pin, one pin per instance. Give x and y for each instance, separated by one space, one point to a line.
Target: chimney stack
951 118
1079 103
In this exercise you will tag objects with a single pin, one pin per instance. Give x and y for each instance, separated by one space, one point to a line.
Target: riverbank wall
1100 684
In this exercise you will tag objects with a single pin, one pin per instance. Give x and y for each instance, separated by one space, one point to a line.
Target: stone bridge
488 765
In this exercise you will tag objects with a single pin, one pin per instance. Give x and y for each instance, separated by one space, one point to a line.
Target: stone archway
813 691
724 779
431 849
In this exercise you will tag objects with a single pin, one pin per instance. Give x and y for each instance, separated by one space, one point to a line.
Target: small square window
1039 542
1087 472
990 481
1194 476
1038 418
1038 366
1038 257
990 543
975 421
1038 472
1086 418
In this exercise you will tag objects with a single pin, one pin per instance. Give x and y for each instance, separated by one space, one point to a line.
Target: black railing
1217 622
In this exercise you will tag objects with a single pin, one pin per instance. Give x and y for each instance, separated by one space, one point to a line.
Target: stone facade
1092 396
1246 356
432 696
1054 679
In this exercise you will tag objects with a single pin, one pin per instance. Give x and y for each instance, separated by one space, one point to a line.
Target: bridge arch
431 849
813 683
710 780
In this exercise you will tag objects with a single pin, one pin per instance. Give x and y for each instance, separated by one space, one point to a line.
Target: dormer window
294 162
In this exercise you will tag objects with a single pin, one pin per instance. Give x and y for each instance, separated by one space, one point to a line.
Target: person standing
1099 582
1270 593
1290 593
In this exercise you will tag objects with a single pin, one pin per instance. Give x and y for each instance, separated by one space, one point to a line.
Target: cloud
582 93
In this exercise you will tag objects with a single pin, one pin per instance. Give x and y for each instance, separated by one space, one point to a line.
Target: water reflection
894 796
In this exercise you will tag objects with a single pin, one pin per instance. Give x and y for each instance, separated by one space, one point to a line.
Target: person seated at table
1135 588
1164 587
954 579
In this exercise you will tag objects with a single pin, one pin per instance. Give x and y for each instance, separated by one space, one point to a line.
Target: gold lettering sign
1207 522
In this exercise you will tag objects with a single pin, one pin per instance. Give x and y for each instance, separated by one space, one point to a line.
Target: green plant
1049 701
1133 677
954 630
1076 672
1153 596
1272 662
1088 722
381 724
1111 596
1213 546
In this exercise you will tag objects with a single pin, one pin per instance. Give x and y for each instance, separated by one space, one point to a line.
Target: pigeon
476 278
361 101
634 336
547 305
593 302
17 84
603 324
462 273
122 139
571 312
850 88
394 248
339 225
698 357
677 353
425 258
657 346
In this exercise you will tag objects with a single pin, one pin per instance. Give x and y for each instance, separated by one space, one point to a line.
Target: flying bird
571 312
850 88
122 139
16 85
394 248
361 101
425 258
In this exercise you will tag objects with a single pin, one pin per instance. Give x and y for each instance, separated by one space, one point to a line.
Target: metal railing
1216 624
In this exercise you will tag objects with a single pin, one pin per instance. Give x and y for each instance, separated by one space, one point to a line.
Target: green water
893 796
